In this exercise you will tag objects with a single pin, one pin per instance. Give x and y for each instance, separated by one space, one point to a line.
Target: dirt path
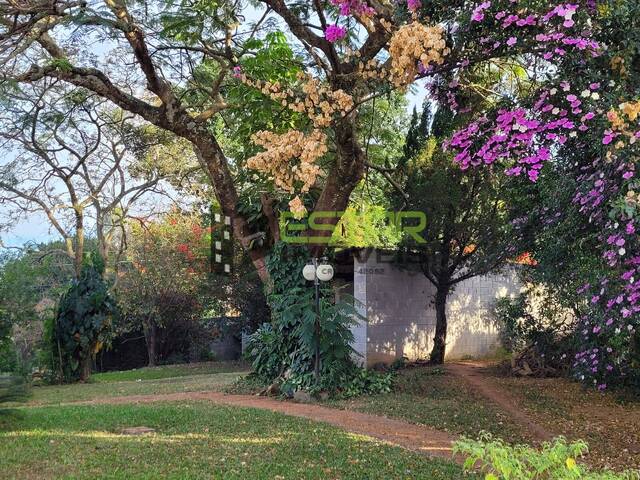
397 432
472 374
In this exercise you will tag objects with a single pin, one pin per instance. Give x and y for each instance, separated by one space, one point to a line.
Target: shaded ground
171 371
431 396
476 376
89 391
611 428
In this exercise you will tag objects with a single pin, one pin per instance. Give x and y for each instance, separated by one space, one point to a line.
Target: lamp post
317 272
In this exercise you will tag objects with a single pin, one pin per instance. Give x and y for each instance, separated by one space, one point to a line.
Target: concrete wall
400 318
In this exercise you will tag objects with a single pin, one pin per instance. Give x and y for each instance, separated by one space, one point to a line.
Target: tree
163 290
83 321
467 232
71 163
31 280
581 124
185 55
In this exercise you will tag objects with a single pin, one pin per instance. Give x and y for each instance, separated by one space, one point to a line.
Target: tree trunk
341 180
85 368
213 160
440 338
150 337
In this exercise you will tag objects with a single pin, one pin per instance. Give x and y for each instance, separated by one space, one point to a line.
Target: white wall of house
399 317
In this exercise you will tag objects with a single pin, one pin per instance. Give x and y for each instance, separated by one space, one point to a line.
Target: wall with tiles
399 316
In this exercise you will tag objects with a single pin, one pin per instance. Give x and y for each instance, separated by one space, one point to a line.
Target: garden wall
399 316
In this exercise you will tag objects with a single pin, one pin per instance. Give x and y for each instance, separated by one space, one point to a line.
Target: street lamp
316 272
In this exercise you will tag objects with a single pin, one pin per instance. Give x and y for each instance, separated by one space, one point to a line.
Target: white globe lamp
309 272
324 272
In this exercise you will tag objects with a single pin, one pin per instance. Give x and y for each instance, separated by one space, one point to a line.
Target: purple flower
333 33
413 5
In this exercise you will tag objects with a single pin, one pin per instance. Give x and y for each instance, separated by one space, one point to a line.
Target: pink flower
237 71
477 15
333 33
512 41
413 5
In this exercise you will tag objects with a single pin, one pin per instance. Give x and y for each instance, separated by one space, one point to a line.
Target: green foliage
83 321
554 461
367 382
12 389
285 264
368 226
62 64
8 355
284 349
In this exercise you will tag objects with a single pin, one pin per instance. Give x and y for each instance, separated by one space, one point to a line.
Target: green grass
91 391
200 377
195 440
429 396
169 371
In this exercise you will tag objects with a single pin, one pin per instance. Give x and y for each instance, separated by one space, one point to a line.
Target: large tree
468 232
175 62
69 160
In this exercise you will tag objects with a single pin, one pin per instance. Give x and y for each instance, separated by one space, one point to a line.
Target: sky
36 228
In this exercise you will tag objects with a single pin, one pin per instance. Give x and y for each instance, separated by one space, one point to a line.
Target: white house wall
400 316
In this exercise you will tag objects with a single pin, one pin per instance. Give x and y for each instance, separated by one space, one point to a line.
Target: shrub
557 460
367 382
284 349
546 330
83 321
12 389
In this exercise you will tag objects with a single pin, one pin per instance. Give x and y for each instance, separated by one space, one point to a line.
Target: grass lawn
195 440
430 396
200 377
168 371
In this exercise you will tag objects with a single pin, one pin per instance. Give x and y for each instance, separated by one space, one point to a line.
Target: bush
554 461
367 382
546 330
12 389
83 322
284 349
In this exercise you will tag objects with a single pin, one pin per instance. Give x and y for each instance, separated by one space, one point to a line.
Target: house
398 315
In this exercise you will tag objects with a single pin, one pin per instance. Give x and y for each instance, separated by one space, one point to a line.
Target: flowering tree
188 59
583 121
161 292
352 52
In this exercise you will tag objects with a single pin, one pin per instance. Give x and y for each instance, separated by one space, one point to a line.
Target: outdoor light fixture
324 271
309 272
316 272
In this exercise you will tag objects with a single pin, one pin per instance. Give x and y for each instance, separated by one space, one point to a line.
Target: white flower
622 251
585 93
555 111
595 96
